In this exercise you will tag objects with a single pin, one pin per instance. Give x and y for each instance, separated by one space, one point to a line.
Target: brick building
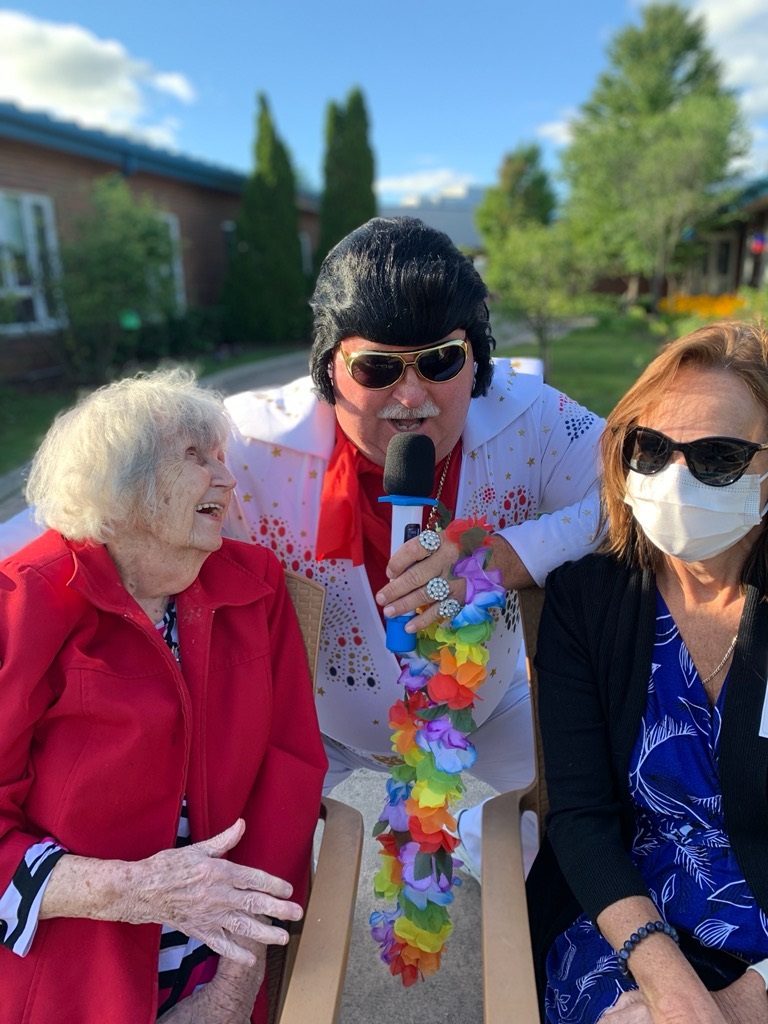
47 168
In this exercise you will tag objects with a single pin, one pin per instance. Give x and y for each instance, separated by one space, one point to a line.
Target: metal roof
128 155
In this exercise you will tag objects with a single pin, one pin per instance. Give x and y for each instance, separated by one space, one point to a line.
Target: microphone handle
406 523
407 515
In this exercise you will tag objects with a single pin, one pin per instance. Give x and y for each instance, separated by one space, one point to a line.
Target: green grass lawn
594 365
24 419
26 414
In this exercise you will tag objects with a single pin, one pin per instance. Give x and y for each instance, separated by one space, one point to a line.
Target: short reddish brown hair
736 347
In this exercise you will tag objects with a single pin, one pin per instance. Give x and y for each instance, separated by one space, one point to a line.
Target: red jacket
101 736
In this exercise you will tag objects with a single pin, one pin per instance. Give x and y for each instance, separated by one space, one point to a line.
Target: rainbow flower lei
431 727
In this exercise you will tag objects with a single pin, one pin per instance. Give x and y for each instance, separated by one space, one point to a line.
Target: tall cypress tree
361 200
348 199
266 290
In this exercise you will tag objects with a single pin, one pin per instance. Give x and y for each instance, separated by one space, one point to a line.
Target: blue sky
450 87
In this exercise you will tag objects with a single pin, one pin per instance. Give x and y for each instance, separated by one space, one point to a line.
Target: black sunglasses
378 370
717 461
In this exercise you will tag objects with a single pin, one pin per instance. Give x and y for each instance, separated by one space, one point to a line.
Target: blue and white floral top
680 845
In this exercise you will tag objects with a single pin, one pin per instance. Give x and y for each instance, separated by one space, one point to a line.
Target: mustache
395 411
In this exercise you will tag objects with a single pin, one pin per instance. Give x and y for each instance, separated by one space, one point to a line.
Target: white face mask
688 519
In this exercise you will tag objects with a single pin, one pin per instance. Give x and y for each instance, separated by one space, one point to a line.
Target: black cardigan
594 659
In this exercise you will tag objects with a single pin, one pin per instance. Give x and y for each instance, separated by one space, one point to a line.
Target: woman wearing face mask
653 662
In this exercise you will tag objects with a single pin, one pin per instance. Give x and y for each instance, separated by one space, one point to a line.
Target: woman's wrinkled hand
227 999
744 1000
678 1008
630 1008
213 900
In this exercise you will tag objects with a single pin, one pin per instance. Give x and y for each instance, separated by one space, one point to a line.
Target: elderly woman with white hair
160 759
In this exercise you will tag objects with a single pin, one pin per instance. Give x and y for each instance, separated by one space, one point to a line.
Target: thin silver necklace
726 656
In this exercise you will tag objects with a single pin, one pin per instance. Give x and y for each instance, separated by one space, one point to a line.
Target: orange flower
432 818
405 728
427 963
468 674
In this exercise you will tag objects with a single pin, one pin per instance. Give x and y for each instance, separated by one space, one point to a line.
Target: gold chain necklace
433 513
726 656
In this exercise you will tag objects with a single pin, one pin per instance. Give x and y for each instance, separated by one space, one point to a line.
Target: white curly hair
96 469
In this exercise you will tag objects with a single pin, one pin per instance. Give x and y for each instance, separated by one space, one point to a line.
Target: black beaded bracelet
637 937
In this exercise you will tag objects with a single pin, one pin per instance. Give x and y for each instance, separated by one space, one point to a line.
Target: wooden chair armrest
315 982
509 985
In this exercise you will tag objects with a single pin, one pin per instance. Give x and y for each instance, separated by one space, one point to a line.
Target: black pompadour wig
396 281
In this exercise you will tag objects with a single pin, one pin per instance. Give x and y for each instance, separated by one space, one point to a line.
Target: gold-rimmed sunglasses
379 370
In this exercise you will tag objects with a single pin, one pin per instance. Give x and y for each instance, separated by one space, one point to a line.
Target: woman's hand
221 903
744 1000
670 991
227 999
632 1008
191 889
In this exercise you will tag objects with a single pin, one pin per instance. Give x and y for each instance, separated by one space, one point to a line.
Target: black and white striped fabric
185 964
20 903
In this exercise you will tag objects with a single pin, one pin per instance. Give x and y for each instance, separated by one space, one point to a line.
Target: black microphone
409 474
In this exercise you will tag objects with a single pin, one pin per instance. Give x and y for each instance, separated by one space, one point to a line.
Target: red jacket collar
97 579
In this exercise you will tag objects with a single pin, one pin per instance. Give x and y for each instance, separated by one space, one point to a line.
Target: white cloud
731 16
556 132
737 31
67 71
175 85
424 184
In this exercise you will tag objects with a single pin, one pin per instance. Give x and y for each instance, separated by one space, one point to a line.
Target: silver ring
449 608
437 588
429 540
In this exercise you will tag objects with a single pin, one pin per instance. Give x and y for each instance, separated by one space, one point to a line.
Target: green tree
531 263
266 290
348 198
652 150
537 273
524 193
116 275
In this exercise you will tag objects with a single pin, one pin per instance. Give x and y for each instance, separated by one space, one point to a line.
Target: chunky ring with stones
429 540
449 608
438 588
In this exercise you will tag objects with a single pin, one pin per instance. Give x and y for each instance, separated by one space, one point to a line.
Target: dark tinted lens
442 363
645 451
376 371
717 461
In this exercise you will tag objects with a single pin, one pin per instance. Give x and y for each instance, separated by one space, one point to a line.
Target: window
28 263
306 252
175 269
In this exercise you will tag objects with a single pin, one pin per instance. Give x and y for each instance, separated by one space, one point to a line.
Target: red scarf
353 523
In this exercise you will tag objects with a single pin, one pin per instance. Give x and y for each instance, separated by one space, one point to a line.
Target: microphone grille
409 468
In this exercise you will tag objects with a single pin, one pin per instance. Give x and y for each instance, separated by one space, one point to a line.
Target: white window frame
45 318
177 264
